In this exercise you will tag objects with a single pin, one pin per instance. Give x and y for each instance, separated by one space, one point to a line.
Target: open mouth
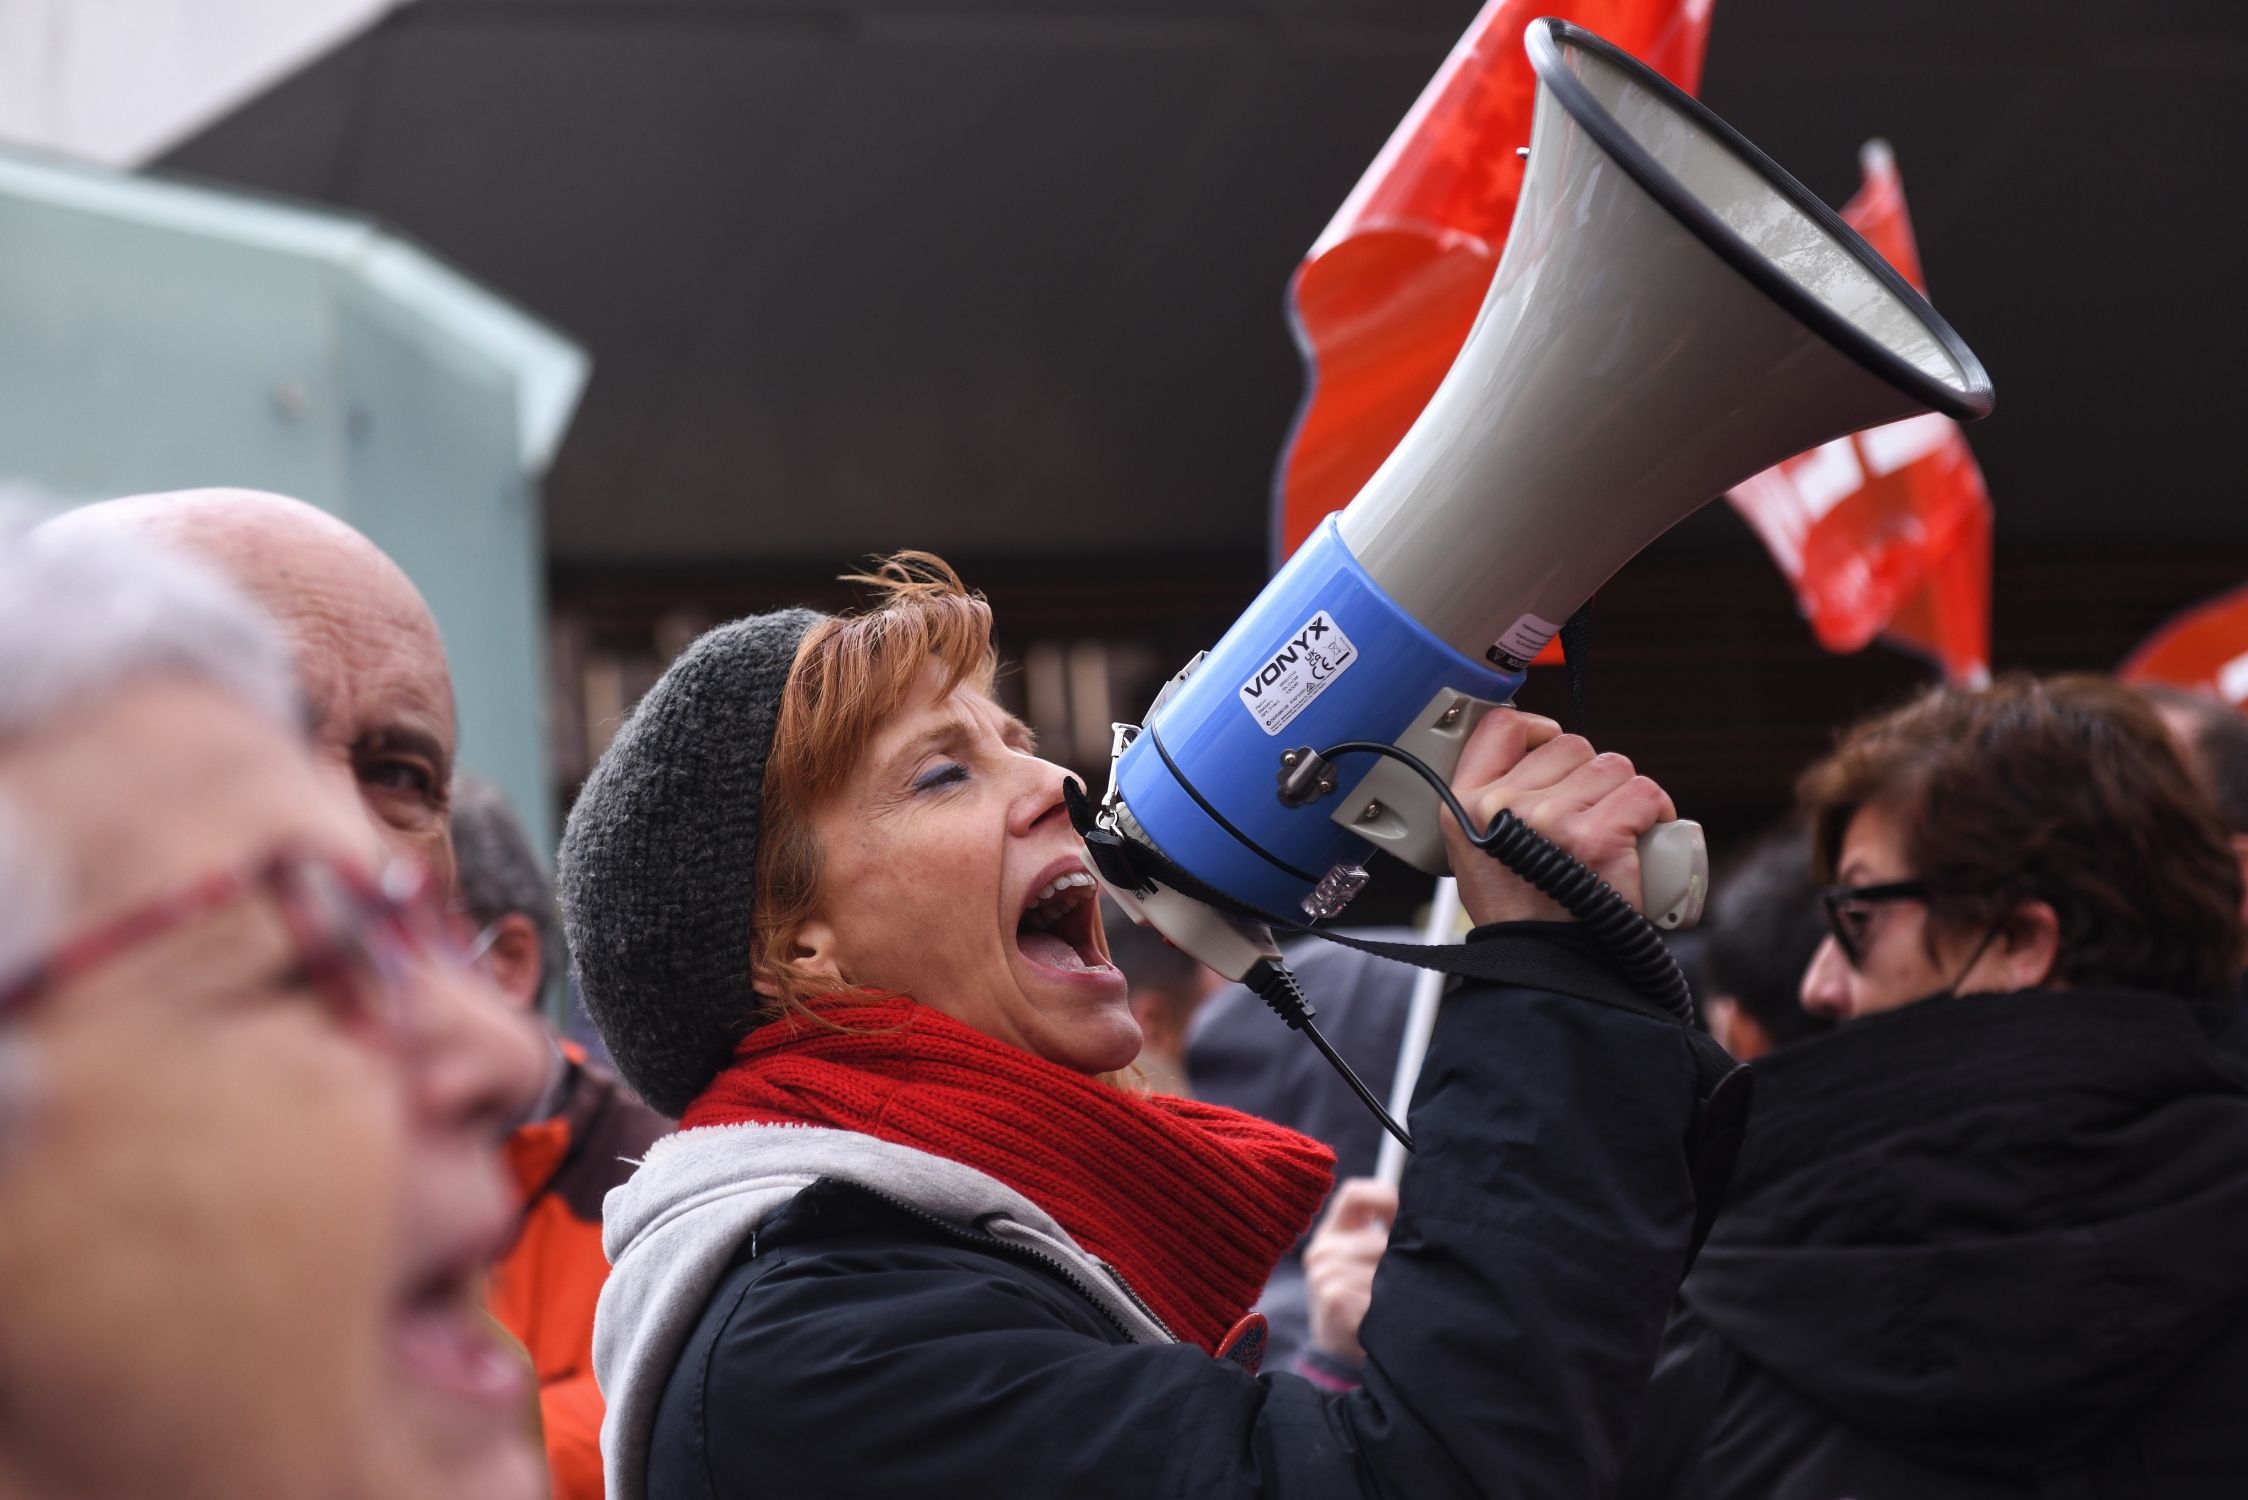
443 1336
1058 924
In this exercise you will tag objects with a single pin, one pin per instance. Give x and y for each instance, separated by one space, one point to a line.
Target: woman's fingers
1580 778
1594 806
1645 796
1557 773
1498 744
1502 759
1553 762
1605 835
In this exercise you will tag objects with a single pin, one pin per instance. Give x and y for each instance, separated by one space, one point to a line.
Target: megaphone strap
1545 956
1576 646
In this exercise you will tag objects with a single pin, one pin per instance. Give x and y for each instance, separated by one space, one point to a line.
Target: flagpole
1420 1024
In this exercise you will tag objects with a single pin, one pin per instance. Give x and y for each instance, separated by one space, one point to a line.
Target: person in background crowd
248 1177
503 892
369 660
1168 988
827 902
1764 926
2213 735
584 1138
1979 1238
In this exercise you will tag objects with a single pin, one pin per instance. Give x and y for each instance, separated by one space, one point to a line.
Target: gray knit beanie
658 867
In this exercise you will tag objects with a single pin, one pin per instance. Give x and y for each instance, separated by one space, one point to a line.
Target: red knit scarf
1191 1203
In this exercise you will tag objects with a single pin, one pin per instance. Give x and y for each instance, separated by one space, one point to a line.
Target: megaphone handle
1633 940
1673 873
1392 810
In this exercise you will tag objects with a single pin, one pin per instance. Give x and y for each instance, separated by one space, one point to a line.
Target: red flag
1387 295
2205 650
1887 531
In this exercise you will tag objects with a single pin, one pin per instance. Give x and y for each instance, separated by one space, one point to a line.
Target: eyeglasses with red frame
358 938
1849 911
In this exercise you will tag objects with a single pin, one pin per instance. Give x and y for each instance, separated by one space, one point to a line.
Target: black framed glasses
1849 910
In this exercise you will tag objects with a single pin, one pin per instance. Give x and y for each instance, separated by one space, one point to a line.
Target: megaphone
1673 313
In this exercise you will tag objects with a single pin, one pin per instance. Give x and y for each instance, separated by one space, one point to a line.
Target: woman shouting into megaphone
828 909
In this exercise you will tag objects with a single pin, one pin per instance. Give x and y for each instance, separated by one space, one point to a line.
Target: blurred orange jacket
543 1290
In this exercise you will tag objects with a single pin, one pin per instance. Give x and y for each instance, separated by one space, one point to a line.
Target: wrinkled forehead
370 663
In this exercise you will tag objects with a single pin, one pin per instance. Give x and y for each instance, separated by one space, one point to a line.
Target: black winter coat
1992 1248
861 1350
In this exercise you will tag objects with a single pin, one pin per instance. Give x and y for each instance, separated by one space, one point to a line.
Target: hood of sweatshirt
1978 1228
673 1231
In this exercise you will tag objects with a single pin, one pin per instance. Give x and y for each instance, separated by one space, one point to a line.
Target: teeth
1056 898
1048 891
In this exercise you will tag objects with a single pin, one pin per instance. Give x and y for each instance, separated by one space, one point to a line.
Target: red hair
851 672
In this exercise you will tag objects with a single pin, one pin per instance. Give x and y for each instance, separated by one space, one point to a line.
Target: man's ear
2028 948
514 960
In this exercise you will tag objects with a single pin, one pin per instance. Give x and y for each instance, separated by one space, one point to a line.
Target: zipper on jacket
1138 1301
1034 1256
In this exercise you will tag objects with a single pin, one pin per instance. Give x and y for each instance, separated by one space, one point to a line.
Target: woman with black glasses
1983 1239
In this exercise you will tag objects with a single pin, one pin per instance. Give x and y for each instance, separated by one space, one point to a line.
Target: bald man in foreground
373 671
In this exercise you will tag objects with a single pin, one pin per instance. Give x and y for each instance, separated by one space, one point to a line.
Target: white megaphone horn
1673 313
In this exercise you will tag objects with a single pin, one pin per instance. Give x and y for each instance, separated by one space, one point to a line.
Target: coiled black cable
1615 923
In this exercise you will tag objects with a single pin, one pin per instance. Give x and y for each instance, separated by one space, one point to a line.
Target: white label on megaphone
1519 644
1306 664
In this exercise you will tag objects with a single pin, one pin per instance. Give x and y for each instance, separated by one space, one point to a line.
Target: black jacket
860 1349
1989 1247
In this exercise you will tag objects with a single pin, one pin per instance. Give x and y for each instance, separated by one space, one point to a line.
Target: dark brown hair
2065 790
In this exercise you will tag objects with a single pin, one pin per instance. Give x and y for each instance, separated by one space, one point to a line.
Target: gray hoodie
672 1232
